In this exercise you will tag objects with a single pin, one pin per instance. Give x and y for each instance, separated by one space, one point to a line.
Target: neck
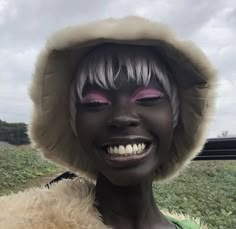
128 206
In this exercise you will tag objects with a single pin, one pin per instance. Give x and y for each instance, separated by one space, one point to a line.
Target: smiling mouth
126 150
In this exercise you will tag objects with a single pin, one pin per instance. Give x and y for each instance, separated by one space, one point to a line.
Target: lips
126 151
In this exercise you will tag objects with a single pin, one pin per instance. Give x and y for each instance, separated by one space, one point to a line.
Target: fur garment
66 205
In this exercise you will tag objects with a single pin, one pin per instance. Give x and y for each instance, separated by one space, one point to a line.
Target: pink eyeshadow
95 96
144 92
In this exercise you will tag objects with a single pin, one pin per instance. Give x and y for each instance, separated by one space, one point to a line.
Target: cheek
162 116
89 126
160 122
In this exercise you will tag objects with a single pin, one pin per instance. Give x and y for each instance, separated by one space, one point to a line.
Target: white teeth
111 151
121 150
135 148
116 150
127 150
139 149
142 146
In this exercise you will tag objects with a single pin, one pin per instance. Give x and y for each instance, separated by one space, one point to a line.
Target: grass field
206 190
20 167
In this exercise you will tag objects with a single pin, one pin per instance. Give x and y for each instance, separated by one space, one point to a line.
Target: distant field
20 167
206 190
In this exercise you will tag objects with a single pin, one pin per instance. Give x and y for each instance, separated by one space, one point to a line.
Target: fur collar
66 205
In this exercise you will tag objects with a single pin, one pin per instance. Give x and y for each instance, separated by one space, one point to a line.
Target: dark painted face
127 132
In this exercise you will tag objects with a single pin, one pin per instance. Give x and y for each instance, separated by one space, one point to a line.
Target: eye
148 99
147 96
95 104
95 99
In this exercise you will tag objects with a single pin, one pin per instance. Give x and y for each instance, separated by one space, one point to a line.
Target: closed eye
148 99
95 99
95 103
147 95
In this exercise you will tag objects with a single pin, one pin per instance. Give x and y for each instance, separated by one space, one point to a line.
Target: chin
133 170
129 176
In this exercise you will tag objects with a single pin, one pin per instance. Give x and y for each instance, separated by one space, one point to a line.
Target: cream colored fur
66 205
50 129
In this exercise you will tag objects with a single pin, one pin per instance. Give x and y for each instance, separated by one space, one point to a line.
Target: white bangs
103 65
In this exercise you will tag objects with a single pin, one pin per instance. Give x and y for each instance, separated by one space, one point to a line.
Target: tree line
14 133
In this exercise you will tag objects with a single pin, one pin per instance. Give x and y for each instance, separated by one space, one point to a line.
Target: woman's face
127 132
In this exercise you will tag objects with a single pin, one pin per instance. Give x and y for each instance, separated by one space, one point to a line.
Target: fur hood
50 129
66 205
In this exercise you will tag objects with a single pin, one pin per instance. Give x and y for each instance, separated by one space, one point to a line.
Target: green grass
20 166
206 189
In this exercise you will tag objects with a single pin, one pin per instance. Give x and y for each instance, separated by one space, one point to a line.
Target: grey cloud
188 16
28 22
230 18
15 103
16 66
185 16
221 123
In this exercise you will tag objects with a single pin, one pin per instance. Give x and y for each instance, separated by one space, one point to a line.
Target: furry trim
66 205
50 129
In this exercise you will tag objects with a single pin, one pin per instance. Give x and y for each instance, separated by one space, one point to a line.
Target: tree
226 134
14 133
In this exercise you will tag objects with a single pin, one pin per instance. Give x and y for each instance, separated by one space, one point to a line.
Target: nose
122 118
122 122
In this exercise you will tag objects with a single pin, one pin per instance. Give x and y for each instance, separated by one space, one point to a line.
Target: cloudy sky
25 25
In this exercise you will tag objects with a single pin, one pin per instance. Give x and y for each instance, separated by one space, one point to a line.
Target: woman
123 103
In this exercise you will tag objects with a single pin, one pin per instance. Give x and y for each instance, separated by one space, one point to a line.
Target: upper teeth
126 149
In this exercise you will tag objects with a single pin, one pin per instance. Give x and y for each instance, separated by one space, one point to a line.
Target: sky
26 24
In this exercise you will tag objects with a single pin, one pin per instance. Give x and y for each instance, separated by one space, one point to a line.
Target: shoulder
69 202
